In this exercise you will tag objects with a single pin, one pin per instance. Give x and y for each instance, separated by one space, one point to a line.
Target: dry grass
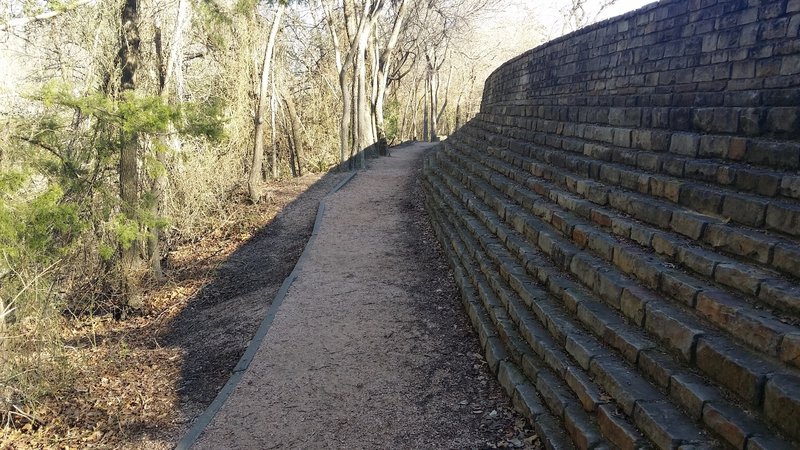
93 381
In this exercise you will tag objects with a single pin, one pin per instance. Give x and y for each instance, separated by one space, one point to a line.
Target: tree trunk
167 71
414 129
353 91
382 75
434 88
128 57
365 137
425 106
294 122
254 179
373 99
273 106
440 115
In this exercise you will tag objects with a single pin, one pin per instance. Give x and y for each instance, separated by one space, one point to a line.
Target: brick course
623 218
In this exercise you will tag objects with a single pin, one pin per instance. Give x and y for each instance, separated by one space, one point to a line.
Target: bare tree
256 166
382 71
168 70
358 27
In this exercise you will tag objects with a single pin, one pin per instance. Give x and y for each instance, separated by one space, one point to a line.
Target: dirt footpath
371 346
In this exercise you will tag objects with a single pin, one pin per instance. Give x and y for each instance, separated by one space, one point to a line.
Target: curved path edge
202 421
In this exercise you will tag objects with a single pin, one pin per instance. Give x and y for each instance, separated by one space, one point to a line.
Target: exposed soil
371 347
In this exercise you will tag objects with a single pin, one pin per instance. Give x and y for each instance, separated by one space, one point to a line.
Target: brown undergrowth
121 389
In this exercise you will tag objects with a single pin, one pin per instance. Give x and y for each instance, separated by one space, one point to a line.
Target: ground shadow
216 326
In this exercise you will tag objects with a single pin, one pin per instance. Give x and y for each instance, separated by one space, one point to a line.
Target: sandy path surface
371 347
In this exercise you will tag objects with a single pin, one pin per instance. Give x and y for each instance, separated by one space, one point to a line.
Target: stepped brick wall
623 219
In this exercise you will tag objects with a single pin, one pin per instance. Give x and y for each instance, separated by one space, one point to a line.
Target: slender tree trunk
169 69
373 100
440 117
273 106
425 106
365 137
256 167
415 99
434 88
382 76
128 57
344 122
355 91
296 128
458 114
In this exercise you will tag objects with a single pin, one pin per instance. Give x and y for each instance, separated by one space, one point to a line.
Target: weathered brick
552 433
665 244
784 217
691 392
790 349
759 330
642 234
783 120
751 122
735 369
554 394
665 187
782 403
620 383
583 349
673 166
650 212
739 242
731 423
680 286
633 303
684 144
673 327
510 377
602 245
688 223
790 186
746 210
699 260
664 424
701 170
739 277
584 433
628 343
761 182
609 287
584 388
495 353
617 430
768 442
714 146
527 401
700 198
783 295
780 154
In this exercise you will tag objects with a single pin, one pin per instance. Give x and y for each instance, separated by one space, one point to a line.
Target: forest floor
371 347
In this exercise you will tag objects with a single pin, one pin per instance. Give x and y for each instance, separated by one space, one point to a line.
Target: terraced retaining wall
623 219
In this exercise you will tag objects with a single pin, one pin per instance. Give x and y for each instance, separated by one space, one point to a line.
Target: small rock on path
371 346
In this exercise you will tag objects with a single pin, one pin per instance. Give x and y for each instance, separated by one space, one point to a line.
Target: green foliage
126 231
202 120
71 152
42 227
